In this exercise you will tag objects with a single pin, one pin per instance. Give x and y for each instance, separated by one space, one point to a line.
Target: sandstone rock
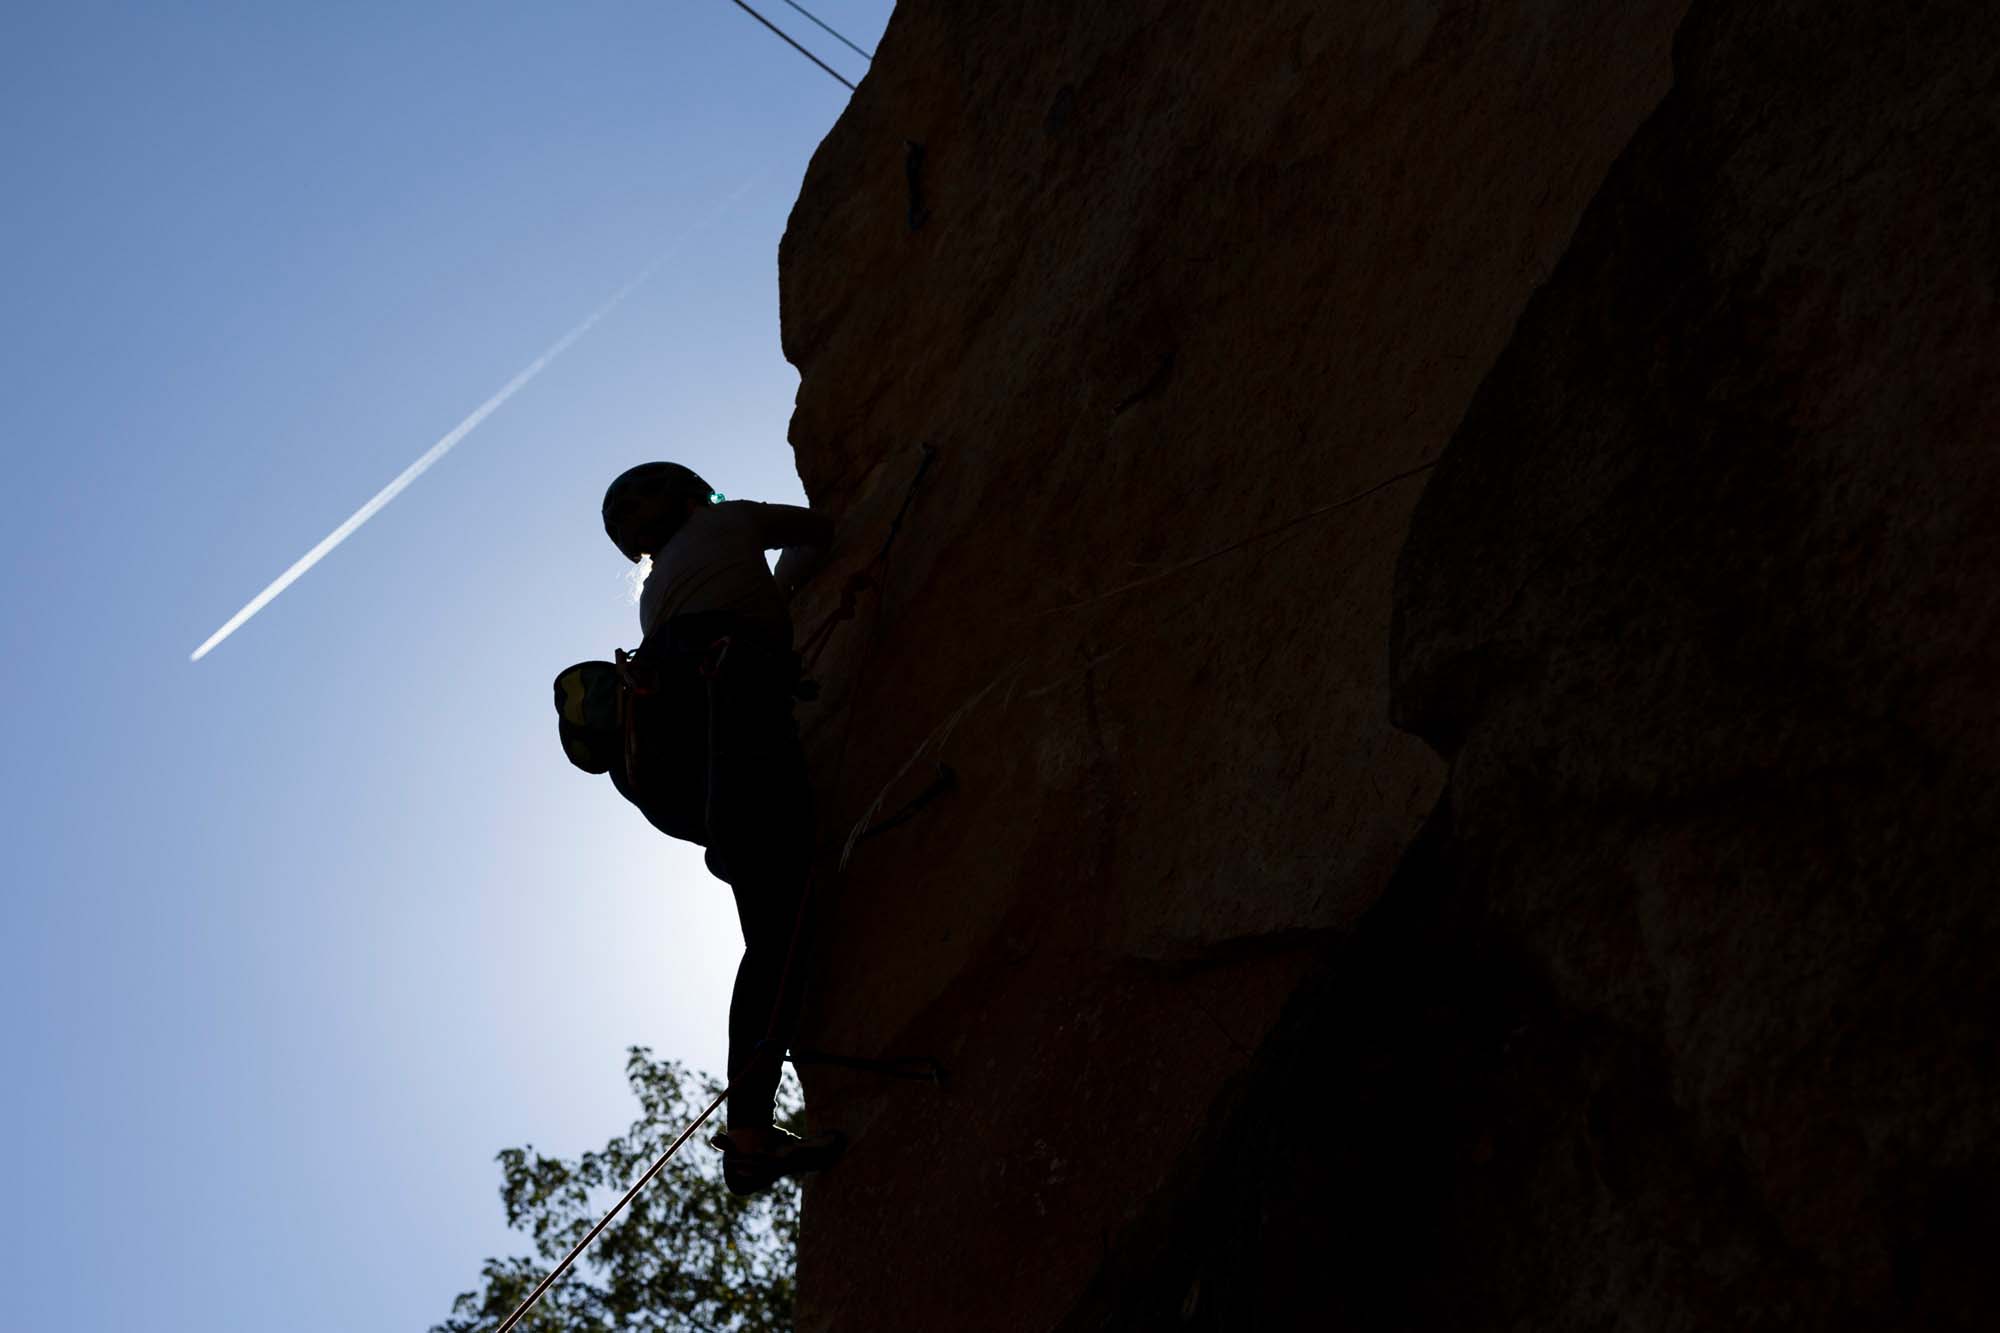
1702 606
1183 274
1682 1013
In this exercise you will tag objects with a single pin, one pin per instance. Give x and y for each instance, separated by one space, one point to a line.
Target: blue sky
298 936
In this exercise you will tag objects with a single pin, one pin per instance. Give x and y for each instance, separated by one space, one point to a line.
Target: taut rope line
868 56
787 38
605 1221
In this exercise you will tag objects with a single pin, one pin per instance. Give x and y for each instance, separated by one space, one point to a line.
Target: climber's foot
754 1159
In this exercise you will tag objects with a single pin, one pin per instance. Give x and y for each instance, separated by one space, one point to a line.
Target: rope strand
868 56
831 72
605 1221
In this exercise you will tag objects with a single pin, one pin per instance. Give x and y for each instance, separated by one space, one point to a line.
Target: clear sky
296 937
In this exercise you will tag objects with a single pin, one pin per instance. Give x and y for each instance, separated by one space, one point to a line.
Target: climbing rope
605 1221
943 784
787 38
868 56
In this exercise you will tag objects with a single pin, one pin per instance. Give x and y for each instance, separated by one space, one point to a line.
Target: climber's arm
790 525
805 537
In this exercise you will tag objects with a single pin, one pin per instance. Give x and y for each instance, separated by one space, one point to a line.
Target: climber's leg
767 900
763 850
768 873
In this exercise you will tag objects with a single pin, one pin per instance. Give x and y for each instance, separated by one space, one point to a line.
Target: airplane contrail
418 468
442 447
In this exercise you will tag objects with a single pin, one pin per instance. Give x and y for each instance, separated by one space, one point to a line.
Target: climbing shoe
746 1172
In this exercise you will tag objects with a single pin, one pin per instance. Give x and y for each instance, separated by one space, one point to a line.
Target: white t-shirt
716 563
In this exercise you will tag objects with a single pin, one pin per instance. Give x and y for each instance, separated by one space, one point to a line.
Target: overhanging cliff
1699 592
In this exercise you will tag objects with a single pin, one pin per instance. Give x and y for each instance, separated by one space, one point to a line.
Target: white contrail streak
444 446
421 466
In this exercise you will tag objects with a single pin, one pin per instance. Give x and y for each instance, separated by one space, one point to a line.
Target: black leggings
760 843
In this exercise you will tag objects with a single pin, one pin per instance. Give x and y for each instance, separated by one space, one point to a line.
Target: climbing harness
633 685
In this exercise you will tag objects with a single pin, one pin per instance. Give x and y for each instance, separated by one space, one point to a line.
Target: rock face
1619 958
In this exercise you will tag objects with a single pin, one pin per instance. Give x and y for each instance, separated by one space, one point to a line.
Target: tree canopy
685 1255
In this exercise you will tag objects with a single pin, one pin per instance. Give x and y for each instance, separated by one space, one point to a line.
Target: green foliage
685 1255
